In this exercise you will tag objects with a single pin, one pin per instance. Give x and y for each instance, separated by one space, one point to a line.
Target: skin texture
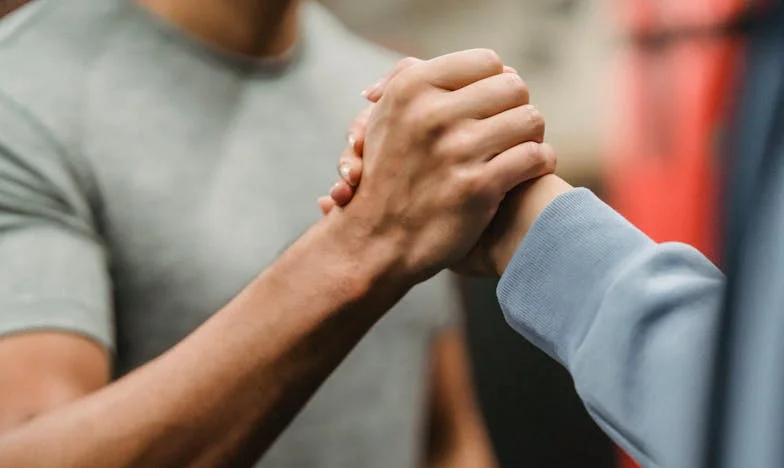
517 213
516 216
45 370
508 227
48 370
210 401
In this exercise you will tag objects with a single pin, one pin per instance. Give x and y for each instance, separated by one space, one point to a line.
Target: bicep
41 371
55 291
56 322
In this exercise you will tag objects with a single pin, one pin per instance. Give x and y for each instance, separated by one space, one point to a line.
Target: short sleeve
53 267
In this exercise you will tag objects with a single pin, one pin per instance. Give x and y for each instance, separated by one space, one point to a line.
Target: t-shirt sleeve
53 267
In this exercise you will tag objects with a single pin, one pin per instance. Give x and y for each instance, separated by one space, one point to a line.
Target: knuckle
470 184
406 87
540 157
534 120
517 87
512 89
406 63
430 117
490 58
532 152
457 143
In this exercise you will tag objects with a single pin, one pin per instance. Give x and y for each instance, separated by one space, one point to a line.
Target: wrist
369 264
525 205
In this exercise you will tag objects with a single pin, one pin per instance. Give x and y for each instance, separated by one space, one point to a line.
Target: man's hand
444 144
468 136
479 144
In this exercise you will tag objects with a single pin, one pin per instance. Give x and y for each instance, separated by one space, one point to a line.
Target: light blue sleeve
633 321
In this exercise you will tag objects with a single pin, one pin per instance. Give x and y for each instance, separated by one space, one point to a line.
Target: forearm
632 320
220 397
468 447
457 434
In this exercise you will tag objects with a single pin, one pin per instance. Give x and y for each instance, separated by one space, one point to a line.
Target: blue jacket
633 321
682 367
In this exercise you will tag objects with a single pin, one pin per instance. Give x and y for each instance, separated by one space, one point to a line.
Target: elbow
24 406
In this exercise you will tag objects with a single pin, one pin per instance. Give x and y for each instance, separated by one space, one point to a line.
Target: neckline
272 66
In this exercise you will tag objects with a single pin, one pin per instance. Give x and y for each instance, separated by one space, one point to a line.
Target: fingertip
372 93
341 193
326 204
350 170
346 174
356 142
374 96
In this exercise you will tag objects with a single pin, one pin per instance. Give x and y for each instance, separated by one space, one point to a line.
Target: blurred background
561 47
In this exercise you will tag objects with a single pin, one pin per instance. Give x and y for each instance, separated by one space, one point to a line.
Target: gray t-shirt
145 178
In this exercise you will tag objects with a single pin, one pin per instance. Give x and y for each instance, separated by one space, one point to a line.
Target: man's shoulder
50 35
46 50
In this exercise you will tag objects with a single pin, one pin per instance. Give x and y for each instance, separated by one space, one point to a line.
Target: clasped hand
432 159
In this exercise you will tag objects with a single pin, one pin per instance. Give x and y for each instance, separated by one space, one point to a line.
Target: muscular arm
632 320
42 371
221 396
457 435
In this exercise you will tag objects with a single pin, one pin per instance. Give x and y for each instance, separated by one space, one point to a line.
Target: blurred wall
561 47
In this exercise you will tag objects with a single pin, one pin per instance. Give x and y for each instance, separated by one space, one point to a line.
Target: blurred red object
672 88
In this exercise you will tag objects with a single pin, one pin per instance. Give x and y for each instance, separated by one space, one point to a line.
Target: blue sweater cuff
551 290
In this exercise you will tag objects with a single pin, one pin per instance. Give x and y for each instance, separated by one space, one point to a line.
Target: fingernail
352 140
508 69
333 188
367 92
321 202
345 173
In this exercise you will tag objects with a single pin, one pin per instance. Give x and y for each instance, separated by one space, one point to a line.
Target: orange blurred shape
671 93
